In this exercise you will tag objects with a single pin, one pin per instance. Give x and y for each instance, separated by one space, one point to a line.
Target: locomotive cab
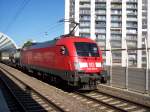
89 64
85 63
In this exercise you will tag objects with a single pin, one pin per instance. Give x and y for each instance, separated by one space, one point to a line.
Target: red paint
51 57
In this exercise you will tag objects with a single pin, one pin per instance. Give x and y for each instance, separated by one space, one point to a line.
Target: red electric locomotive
75 60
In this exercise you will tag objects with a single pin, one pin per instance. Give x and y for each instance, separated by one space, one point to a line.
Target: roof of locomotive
74 39
42 44
58 41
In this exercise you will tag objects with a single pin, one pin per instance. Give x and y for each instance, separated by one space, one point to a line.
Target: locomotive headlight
79 65
83 64
98 64
76 65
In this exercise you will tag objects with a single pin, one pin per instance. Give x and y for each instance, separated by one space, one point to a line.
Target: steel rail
101 102
121 99
35 91
20 106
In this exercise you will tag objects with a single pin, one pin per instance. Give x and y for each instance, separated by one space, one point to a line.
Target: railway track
106 102
27 98
12 102
31 100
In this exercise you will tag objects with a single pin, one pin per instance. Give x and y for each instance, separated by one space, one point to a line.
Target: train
76 61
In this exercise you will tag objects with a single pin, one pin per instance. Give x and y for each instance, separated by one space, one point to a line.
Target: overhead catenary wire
22 5
17 14
53 29
48 29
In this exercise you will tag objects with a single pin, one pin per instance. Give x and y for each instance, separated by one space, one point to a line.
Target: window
63 50
86 49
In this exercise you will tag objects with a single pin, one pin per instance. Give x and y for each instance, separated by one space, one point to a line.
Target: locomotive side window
63 50
86 49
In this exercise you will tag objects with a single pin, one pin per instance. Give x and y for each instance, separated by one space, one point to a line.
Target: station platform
3 104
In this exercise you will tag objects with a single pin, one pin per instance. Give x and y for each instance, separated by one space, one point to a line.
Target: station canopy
7 44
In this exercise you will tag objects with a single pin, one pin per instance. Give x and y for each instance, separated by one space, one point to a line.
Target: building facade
114 24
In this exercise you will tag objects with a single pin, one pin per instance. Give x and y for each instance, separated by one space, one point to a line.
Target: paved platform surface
3 104
143 99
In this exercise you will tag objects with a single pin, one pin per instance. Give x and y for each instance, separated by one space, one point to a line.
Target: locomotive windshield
86 49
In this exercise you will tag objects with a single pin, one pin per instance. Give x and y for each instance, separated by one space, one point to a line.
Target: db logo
91 64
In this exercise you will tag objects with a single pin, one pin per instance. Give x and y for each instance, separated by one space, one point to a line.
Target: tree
27 44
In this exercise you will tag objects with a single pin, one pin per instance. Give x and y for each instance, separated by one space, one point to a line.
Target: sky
35 20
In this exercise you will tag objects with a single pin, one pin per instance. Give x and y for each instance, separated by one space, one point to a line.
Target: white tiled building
115 22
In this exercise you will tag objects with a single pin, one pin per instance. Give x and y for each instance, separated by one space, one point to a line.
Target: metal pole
127 64
111 68
110 63
147 65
